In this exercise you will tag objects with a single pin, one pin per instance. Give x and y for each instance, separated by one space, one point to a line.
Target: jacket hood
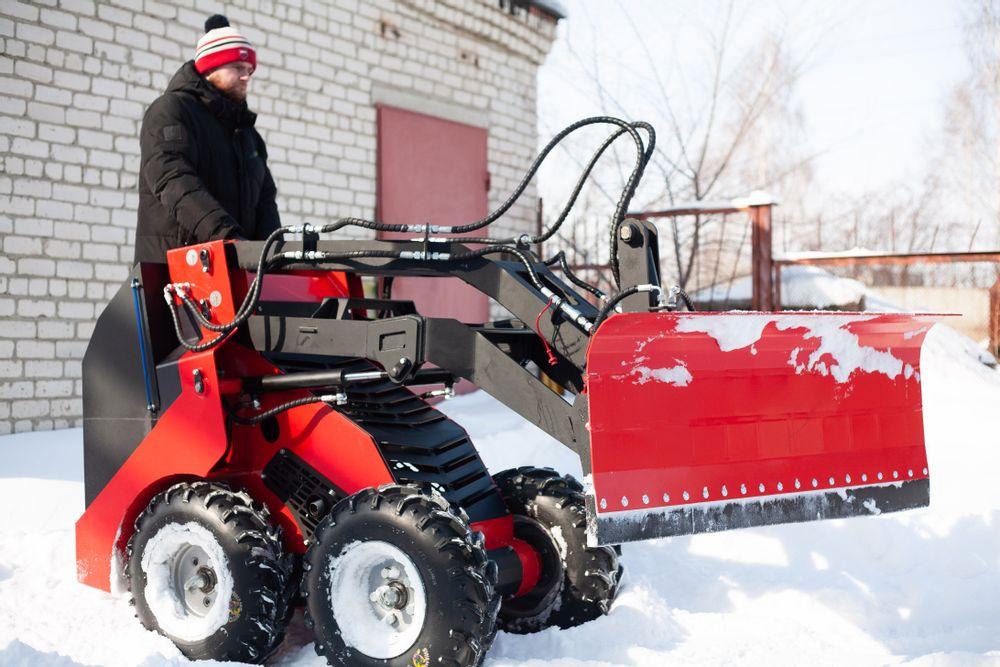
187 80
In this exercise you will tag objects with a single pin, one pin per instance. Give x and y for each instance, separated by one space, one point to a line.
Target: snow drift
913 588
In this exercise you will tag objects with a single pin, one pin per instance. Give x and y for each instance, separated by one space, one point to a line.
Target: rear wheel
577 583
396 578
206 569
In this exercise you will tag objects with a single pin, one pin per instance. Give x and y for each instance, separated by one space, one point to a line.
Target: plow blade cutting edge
709 422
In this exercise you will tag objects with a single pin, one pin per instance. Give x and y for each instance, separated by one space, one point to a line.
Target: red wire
548 350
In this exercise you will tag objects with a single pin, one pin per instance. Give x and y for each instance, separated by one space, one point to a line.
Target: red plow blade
702 422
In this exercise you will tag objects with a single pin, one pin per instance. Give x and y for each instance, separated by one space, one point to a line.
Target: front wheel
395 578
206 569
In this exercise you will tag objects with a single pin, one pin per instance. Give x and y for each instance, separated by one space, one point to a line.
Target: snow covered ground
917 588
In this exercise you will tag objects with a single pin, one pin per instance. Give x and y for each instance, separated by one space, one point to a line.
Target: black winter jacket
203 171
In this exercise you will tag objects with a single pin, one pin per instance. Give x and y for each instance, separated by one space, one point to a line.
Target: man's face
232 79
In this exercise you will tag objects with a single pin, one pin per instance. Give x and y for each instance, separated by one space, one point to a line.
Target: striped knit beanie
221 44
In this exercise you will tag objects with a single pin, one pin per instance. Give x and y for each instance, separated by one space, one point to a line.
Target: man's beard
236 94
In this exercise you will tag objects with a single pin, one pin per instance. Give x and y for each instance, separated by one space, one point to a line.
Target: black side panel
419 444
115 418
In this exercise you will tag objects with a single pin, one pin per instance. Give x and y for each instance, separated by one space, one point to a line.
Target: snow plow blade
709 422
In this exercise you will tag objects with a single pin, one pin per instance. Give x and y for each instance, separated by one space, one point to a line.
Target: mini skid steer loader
255 441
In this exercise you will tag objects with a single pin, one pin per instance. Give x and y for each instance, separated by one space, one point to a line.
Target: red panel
674 410
432 170
188 440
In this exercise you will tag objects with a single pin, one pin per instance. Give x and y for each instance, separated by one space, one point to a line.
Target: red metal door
432 170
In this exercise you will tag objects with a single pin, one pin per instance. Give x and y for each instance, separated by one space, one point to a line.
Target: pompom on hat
222 44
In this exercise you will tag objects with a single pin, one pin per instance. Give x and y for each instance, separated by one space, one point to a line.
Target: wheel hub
377 586
193 579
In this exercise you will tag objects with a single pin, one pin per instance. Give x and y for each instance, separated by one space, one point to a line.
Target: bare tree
726 127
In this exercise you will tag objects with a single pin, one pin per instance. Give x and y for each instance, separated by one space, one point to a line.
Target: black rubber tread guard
591 575
459 629
260 569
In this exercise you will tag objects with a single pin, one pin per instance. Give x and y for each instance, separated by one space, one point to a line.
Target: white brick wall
76 76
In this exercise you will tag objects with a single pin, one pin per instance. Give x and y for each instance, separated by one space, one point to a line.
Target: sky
871 96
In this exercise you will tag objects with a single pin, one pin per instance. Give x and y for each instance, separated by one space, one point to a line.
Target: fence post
995 319
762 270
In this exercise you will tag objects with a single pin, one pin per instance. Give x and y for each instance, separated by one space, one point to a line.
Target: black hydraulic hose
278 409
610 304
626 198
684 297
560 259
526 239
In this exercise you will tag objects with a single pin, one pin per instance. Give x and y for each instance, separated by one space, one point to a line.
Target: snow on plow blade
709 422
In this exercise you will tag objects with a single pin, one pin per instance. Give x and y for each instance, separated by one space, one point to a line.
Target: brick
90 102
23 146
20 389
35 308
71 349
54 388
17 205
34 33
72 81
100 251
26 409
91 214
71 193
18 329
12 106
161 9
66 407
55 329
108 88
38 286
82 7
55 210
58 19
74 42
109 234
110 272
52 95
20 10
19 127
42 369
56 134
132 39
35 349
38 188
76 310
78 270
98 29
31 266
46 113
15 86
33 227
114 15
94 139
22 245
106 160
11 369
79 118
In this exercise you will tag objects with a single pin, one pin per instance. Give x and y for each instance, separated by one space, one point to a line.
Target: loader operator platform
203 170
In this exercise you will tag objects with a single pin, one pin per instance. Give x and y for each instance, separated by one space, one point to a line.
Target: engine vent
308 494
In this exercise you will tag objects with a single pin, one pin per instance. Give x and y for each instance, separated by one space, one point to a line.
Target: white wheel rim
378 598
188 582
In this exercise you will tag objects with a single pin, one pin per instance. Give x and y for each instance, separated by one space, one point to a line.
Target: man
203 171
